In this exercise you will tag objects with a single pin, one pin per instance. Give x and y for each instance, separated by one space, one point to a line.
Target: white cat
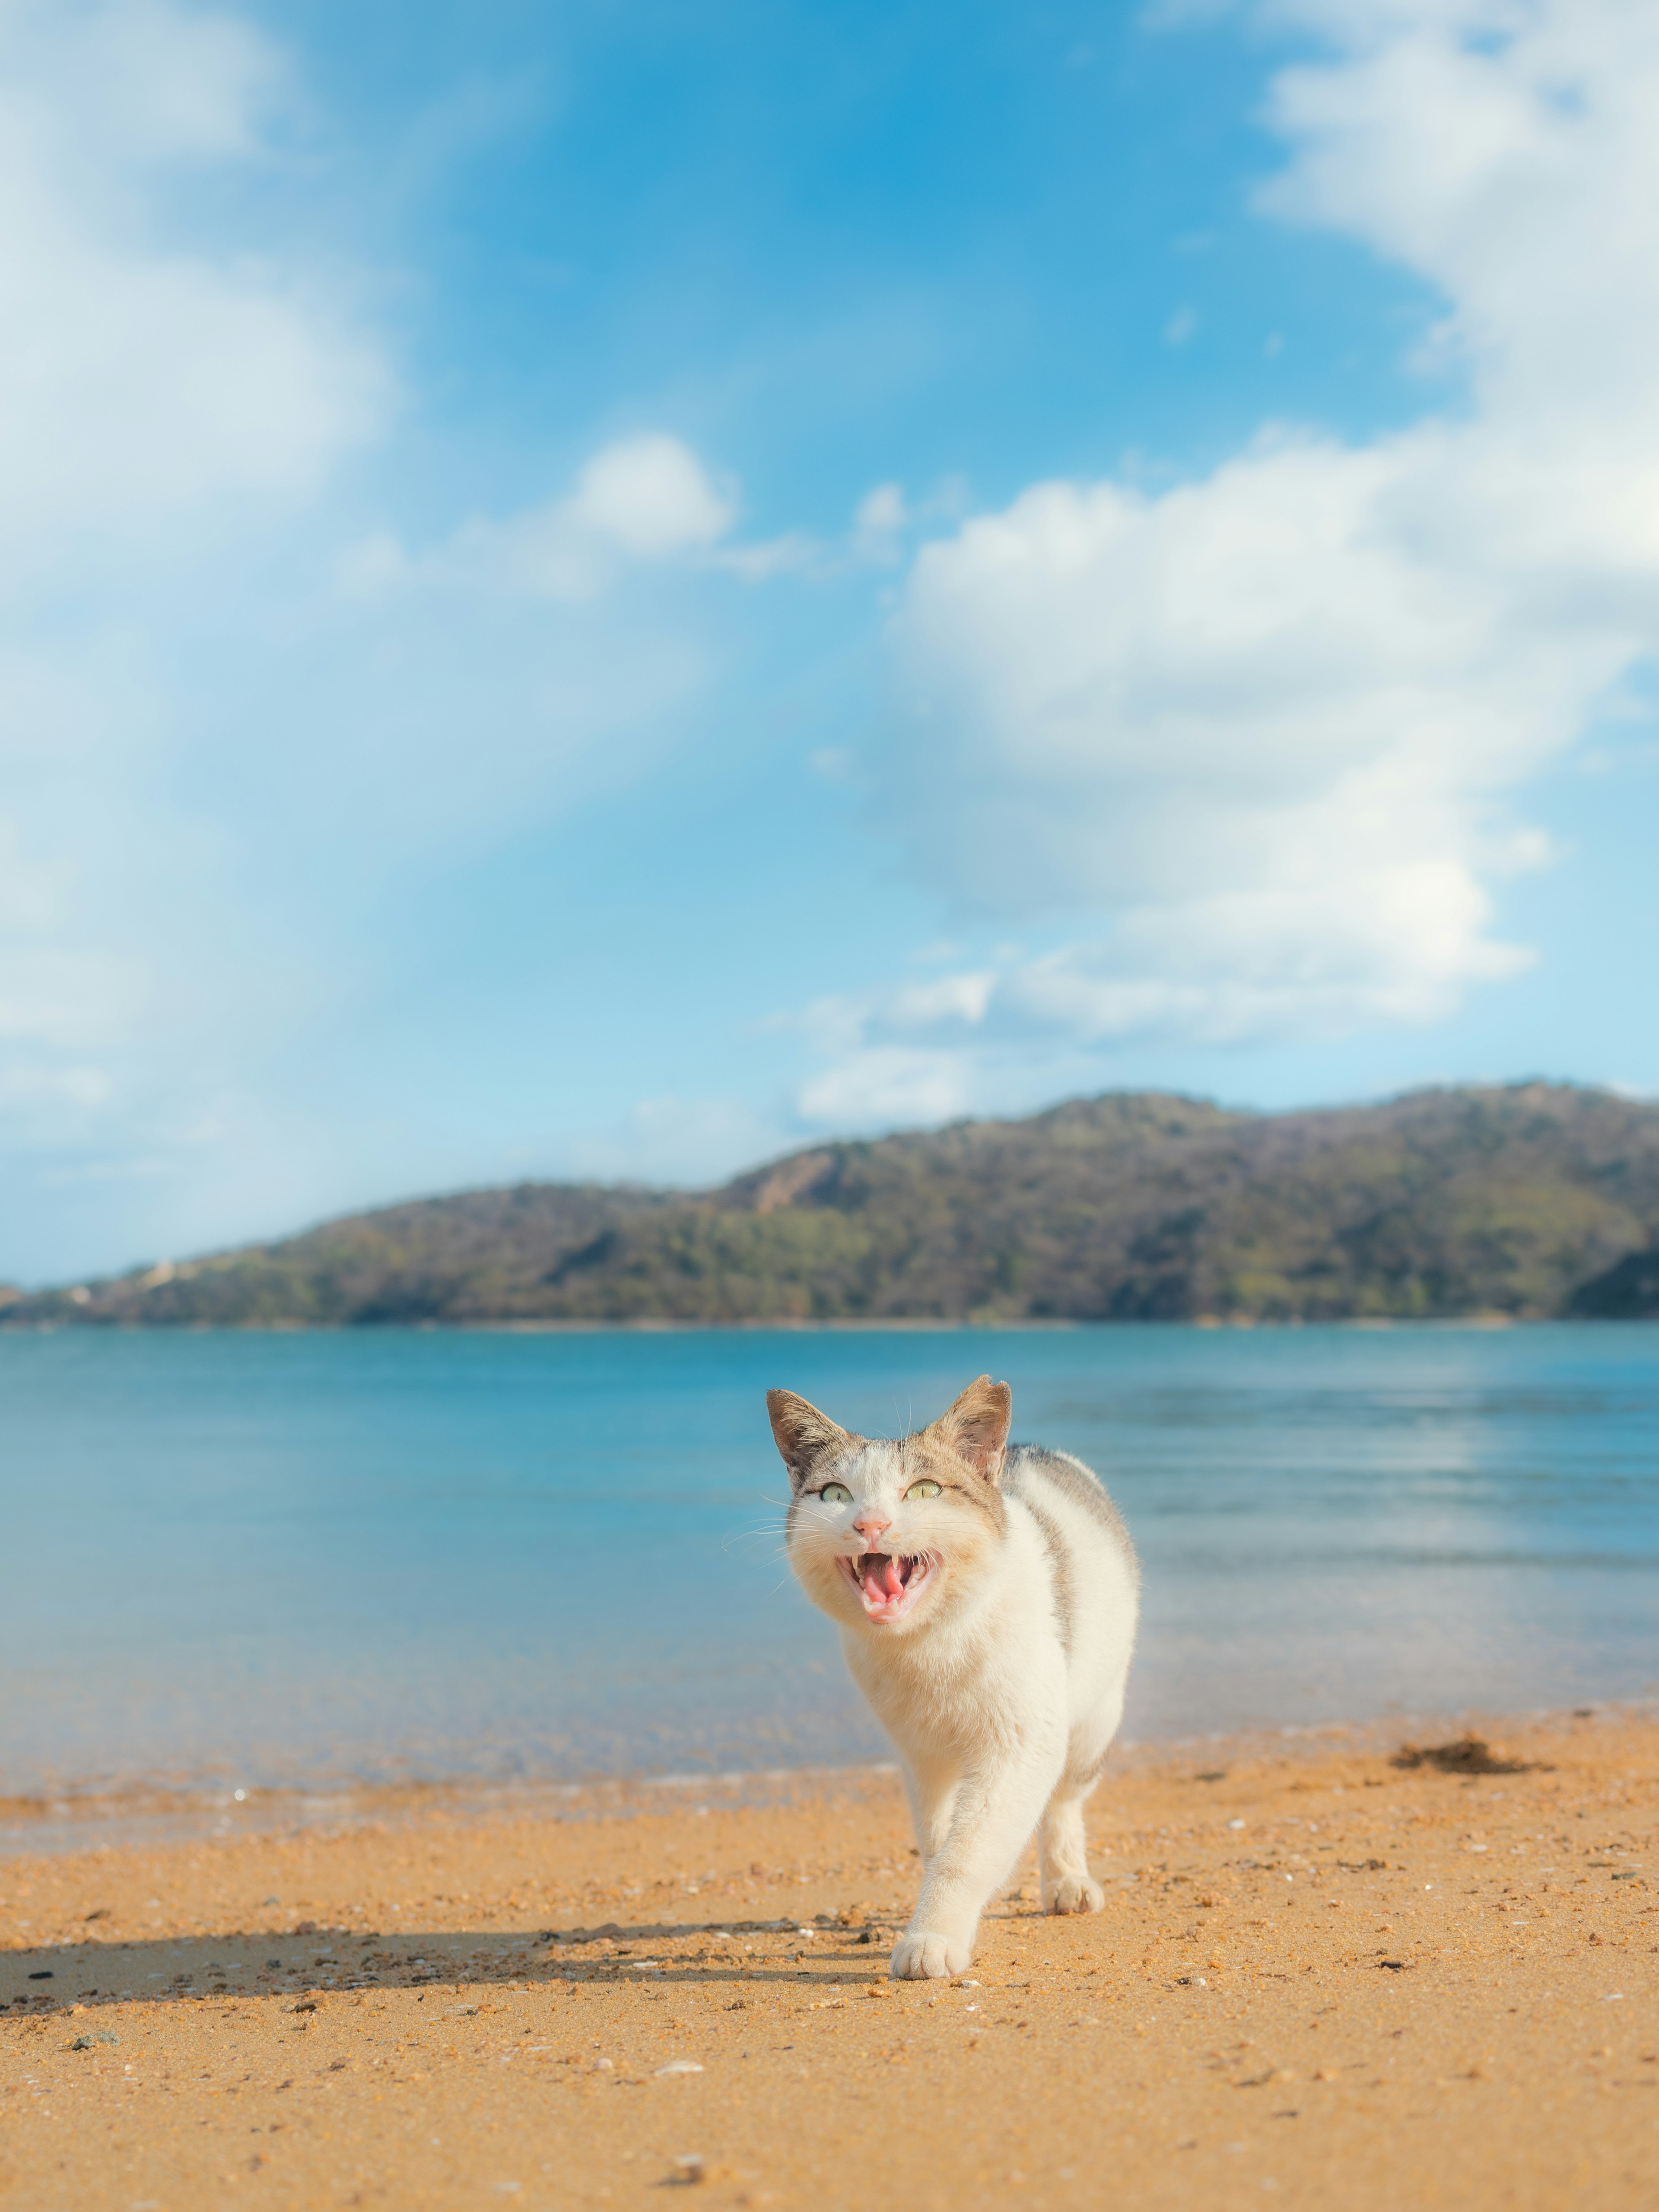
987 1598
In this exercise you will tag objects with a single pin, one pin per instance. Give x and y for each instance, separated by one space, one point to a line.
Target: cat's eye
835 1493
920 1490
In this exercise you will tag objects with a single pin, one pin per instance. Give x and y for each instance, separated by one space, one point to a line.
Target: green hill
1529 1201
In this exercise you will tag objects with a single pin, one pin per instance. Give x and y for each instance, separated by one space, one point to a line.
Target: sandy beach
1322 1978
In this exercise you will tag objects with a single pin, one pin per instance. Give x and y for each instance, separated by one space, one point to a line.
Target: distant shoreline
899 1325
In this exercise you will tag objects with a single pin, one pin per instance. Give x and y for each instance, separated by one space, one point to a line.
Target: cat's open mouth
887 1582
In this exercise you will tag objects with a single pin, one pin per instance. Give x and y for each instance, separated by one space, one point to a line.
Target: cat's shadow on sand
311 1972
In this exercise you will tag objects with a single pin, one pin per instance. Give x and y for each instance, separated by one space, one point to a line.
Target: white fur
1002 1730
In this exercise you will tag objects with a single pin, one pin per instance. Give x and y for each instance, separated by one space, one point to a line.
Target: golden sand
1319 1980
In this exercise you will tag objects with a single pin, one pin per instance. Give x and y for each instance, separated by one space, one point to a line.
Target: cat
987 1596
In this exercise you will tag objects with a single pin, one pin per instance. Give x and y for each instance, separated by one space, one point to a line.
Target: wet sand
1320 1979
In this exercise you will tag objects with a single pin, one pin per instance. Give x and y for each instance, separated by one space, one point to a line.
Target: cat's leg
990 1822
1062 1853
932 1791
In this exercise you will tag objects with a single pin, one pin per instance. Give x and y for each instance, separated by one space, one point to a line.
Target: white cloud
1264 730
647 498
157 394
213 763
139 84
652 496
879 524
889 1085
643 501
795 553
143 377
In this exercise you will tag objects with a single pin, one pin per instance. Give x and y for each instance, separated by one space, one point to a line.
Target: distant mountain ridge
1529 1201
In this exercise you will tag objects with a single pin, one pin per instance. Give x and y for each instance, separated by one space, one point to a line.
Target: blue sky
605 591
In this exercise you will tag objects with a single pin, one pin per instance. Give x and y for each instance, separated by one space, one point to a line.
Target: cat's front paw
1074 1893
928 1958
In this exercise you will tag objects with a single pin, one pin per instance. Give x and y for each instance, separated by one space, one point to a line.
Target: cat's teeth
883 1580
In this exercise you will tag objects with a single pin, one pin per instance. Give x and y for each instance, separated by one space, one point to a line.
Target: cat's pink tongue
882 1581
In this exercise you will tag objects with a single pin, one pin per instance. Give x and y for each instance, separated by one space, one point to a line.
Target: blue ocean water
272 1559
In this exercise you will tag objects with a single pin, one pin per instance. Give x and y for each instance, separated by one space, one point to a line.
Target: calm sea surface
270 1558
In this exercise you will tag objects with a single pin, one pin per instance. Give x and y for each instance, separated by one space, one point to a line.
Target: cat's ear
802 1433
976 1427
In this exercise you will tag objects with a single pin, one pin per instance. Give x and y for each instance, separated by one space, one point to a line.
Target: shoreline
100 1815
900 1324
1318 1973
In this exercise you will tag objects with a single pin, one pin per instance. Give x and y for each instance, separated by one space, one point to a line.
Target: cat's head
890 1533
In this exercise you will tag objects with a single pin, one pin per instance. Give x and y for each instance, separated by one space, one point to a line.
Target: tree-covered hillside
1530 1201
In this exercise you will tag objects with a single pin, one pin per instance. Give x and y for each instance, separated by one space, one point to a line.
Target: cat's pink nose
870 1526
